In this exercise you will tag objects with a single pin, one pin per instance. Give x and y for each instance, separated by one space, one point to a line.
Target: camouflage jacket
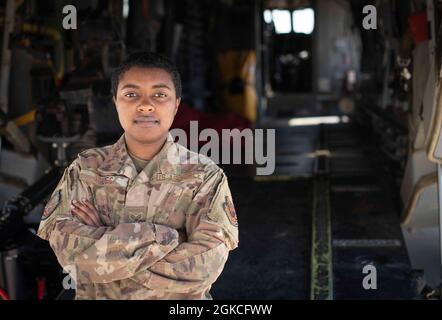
136 254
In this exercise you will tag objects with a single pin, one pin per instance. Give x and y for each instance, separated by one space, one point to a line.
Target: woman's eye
160 95
130 95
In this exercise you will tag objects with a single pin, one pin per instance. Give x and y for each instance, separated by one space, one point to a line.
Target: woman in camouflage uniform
127 222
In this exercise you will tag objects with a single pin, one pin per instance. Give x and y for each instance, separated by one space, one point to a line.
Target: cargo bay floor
274 258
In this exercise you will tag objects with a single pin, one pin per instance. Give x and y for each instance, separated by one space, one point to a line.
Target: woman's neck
144 151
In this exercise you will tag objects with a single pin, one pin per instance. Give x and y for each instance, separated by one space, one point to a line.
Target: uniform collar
118 161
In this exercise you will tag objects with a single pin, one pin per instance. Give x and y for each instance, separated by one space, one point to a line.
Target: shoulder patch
229 210
52 204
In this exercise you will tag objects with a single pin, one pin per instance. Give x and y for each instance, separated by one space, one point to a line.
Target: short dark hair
146 59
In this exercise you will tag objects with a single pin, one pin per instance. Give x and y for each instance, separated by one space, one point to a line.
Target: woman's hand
86 213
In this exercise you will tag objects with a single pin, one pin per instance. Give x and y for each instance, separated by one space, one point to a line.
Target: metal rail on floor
321 285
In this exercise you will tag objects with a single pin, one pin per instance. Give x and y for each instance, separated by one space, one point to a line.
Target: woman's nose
145 108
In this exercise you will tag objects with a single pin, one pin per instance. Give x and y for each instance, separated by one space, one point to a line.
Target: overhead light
281 19
304 54
268 16
304 21
345 119
316 121
125 8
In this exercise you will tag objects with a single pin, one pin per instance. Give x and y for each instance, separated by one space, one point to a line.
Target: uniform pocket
106 193
164 202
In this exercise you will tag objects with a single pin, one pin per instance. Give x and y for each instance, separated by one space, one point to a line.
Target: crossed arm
88 215
153 255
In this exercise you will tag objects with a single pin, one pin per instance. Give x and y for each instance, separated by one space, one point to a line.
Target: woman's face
146 103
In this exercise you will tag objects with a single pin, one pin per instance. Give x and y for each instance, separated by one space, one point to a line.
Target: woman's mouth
146 122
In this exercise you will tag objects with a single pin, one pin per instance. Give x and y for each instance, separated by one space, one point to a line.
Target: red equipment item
419 26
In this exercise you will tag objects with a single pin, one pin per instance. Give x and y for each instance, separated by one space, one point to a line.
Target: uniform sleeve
212 230
102 254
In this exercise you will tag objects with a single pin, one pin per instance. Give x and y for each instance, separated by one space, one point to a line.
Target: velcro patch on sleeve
52 204
229 209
